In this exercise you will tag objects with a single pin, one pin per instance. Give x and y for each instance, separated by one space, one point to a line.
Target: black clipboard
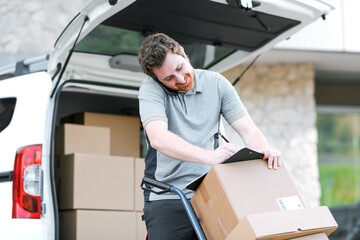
243 154
196 183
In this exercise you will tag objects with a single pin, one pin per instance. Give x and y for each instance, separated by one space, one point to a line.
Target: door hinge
6 176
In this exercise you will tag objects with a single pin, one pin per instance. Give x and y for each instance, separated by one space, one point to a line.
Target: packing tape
223 230
205 195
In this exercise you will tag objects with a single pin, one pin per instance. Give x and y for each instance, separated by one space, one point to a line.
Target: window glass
112 41
339 157
7 107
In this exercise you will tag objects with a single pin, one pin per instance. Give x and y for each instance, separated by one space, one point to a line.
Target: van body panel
26 128
27 125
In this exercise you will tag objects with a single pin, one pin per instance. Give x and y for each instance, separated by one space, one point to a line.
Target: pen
223 137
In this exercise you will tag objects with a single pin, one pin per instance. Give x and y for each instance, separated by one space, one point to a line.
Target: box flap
316 236
285 222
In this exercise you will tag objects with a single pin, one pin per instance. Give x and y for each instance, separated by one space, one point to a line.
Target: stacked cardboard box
247 201
72 138
125 131
98 177
90 181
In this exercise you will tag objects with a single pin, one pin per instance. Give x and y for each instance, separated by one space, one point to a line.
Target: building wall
280 100
337 33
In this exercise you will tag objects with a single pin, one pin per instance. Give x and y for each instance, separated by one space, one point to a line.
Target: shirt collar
197 84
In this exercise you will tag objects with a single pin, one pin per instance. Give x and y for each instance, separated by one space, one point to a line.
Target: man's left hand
273 158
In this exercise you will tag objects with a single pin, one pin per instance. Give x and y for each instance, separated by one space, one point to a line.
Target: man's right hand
175 147
222 153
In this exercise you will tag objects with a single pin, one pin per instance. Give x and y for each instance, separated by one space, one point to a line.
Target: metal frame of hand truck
187 206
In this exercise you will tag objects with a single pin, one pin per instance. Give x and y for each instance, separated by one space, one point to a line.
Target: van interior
70 180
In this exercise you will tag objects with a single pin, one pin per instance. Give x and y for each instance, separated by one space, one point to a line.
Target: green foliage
339 158
340 183
338 134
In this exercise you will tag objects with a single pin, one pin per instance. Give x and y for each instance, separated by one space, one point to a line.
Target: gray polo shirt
192 115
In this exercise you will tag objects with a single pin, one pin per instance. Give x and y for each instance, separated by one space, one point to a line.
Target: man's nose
180 78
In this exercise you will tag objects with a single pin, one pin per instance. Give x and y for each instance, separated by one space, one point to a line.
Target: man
180 108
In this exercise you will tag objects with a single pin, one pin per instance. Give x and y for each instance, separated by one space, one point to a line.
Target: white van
93 67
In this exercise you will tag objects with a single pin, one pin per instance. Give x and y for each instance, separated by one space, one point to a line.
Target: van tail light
27 183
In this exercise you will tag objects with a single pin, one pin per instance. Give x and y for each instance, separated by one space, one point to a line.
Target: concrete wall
31 27
280 100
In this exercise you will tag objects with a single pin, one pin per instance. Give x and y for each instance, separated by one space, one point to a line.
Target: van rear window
7 107
108 40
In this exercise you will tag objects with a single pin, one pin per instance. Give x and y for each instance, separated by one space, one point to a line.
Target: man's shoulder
149 83
208 77
149 87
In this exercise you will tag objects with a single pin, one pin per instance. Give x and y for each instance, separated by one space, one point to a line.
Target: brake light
27 183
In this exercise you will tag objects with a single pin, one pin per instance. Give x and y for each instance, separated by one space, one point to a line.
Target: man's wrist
205 156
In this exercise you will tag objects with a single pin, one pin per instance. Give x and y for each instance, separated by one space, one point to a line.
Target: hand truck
187 206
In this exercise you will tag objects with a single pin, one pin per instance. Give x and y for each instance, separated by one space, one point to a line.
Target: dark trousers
167 219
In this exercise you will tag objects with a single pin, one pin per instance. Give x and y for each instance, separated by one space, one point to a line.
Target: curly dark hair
153 51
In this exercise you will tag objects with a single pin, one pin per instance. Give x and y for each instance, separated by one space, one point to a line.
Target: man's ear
166 89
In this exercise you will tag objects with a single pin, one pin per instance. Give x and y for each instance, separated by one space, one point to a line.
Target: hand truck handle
187 206
154 183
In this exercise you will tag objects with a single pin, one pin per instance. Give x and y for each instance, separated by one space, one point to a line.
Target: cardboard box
95 225
72 138
140 227
237 195
317 236
139 174
284 224
124 131
89 181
